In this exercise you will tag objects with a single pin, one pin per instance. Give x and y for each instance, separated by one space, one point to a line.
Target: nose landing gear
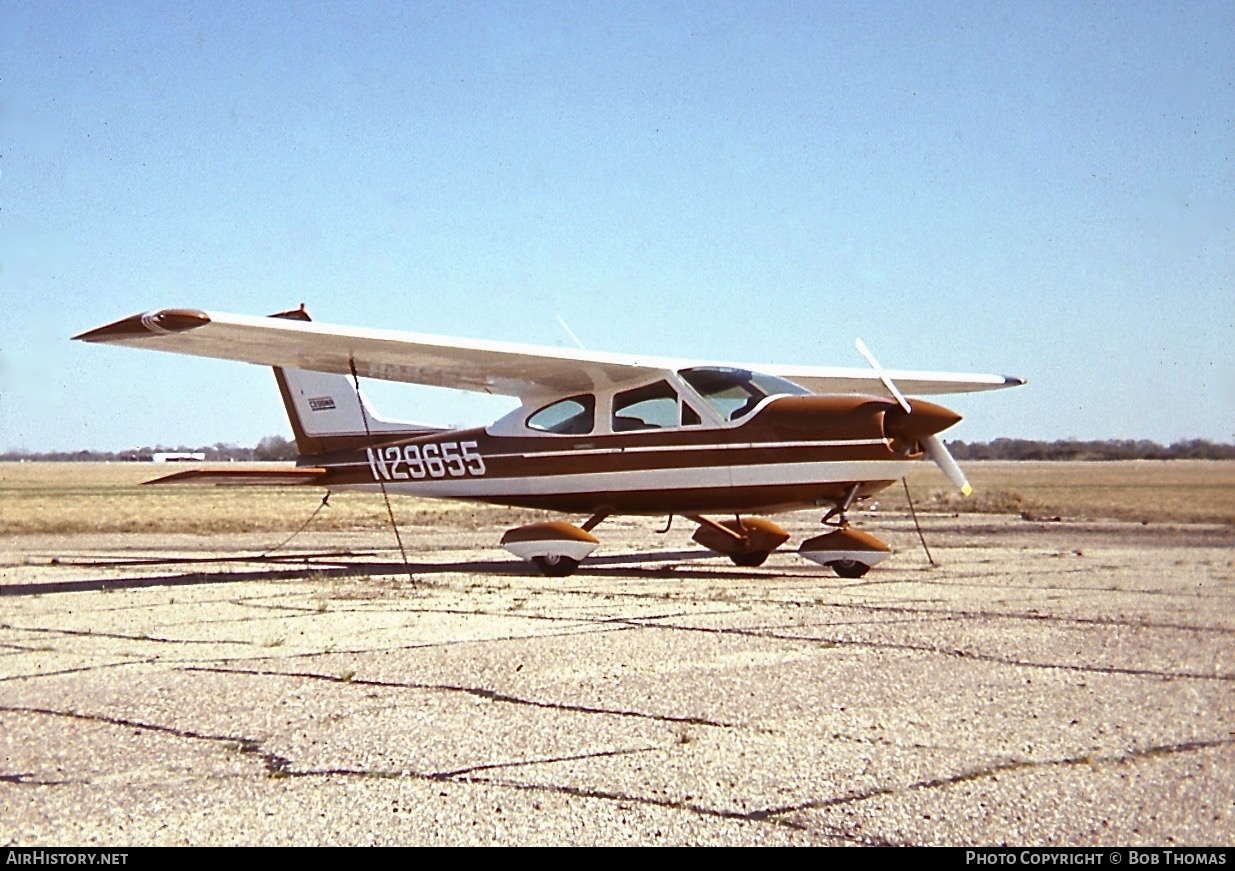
847 551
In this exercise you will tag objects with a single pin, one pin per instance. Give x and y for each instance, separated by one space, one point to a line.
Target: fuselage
788 452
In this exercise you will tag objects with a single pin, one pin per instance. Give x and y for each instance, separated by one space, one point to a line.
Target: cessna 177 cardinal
595 434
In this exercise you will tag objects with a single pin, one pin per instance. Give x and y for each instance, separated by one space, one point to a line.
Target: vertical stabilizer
328 413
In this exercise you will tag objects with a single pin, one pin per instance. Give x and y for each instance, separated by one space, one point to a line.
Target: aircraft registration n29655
595 434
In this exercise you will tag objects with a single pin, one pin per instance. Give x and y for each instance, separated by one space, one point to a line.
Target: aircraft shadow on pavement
655 564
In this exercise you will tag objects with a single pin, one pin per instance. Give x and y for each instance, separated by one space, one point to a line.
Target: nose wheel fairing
848 552
555 547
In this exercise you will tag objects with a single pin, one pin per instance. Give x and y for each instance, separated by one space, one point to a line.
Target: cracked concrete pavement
1048 683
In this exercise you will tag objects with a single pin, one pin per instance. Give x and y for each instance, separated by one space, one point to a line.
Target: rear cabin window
652 407
573 416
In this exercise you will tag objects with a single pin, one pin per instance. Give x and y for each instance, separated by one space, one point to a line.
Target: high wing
464 364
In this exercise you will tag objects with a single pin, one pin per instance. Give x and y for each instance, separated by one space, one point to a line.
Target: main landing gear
745 540
556 548
748 541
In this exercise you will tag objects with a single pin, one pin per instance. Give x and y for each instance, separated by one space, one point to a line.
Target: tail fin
328 413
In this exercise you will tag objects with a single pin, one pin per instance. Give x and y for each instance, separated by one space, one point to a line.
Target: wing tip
168 320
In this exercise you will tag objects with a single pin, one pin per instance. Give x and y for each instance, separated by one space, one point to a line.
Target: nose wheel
848 568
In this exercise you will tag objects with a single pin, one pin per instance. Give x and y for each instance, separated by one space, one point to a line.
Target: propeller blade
883 376
939 453
934 447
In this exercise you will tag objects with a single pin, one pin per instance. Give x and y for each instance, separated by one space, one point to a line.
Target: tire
848 568
749 560
553 566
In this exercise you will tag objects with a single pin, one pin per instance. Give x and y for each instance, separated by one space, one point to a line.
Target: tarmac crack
1000 768
274 764
1052 618
28 778
464 773
279 767
624 798
478 692
117 636
826 643
582 629
78 670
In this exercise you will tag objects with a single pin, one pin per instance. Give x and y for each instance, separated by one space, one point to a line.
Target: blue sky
1040 189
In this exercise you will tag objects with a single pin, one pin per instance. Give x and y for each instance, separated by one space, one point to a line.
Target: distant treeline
269 448
1071 449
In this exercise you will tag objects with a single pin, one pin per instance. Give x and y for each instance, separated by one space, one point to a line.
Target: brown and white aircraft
595 434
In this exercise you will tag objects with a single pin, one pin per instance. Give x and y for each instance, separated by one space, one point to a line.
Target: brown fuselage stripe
517 460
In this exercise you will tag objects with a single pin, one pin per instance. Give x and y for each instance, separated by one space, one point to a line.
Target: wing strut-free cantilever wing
502 368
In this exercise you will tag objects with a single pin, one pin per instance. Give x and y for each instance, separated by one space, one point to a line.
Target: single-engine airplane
595 434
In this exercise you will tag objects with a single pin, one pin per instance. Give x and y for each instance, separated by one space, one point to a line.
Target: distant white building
179 457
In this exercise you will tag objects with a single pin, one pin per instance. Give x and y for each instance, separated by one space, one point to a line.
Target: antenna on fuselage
570 332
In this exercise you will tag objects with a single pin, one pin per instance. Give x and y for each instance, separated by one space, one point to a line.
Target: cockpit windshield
734 393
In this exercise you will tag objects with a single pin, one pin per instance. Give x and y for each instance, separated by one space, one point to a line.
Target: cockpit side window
734 393
654 406
573 416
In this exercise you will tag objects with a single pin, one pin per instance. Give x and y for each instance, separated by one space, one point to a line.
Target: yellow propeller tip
966 490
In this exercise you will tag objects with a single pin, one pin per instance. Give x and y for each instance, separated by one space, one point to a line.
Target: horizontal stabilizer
244 477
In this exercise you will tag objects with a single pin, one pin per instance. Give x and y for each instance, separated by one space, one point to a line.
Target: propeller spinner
932 444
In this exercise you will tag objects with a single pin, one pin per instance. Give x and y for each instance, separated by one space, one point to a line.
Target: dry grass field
1157 491
76 498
